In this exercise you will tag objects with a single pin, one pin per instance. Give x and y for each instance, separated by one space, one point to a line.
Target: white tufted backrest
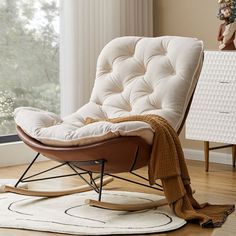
137 75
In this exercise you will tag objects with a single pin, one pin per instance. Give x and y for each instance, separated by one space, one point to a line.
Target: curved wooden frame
55 193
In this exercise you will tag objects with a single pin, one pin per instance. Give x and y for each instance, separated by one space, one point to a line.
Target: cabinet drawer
211 126
219 66
216 97
214 75
212 116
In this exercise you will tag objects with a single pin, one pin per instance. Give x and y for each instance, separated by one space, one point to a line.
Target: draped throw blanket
167 163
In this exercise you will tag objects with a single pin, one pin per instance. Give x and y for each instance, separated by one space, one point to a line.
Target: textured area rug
70 215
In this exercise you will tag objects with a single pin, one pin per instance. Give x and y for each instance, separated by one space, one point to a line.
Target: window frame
12 136
9 138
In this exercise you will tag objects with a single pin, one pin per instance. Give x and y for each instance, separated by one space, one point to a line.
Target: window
29 58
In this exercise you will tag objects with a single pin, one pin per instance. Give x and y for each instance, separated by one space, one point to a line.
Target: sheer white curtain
86 26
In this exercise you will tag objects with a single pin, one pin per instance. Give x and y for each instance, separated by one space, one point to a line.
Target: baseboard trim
214 157
16 153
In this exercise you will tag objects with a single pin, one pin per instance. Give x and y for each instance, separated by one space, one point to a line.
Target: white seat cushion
50 129
135 76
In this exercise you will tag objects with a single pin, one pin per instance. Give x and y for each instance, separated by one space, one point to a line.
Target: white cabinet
212 116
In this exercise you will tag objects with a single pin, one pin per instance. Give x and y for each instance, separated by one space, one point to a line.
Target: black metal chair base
79 171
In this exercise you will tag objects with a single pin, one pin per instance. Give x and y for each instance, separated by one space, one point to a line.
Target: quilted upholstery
138 75
135 75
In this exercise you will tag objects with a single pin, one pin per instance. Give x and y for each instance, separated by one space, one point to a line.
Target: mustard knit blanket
167 163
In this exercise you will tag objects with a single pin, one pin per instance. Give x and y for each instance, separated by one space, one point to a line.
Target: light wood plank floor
217 186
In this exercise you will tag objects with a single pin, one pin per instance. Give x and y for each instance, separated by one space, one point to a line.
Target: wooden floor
216 186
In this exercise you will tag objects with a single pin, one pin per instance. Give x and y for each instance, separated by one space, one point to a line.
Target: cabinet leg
206 153
234 154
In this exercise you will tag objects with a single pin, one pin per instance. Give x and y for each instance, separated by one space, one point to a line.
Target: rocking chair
135 76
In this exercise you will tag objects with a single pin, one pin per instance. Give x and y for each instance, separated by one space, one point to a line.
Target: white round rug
70 215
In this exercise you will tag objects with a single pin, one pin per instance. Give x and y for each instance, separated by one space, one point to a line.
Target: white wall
16 153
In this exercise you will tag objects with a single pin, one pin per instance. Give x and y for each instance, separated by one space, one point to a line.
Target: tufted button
98 103
139 65
128 108
147 86
120 88
110 70
157 106
131 53
163 52
173 71
150 90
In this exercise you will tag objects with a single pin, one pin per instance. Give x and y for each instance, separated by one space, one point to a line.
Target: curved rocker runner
38 193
